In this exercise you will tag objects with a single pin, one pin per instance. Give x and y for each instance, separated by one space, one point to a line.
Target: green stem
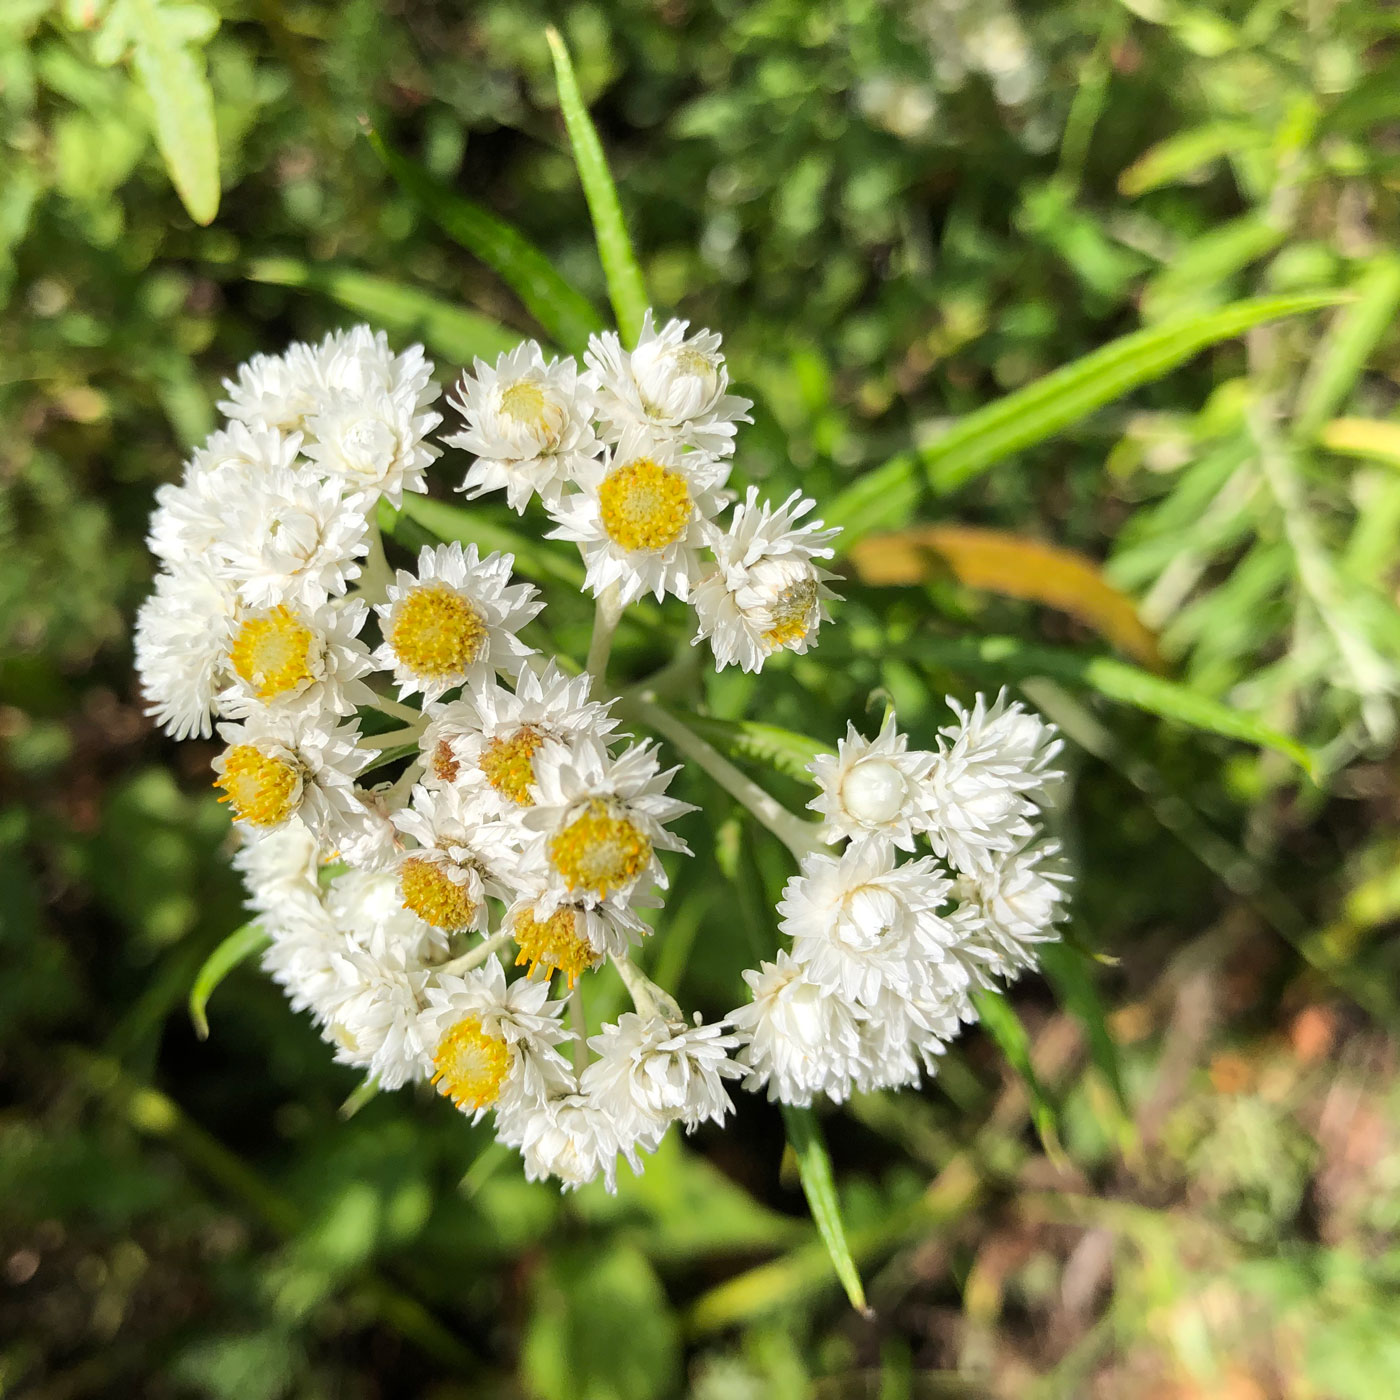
646 996
606 616
478 955
392 738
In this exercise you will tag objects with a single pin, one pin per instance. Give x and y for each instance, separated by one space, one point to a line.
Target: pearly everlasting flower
454 622
491 735
367 908
493 1045
872 789
987 781
671 385
570 938
597 823
860 924
374 442
639 517
277 766
1014 902
570 1138
298 657
650 1072
279 867
801 1040
765 593
529 424
459 860
183 632
276 391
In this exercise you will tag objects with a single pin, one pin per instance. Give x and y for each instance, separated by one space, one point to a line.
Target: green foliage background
897 213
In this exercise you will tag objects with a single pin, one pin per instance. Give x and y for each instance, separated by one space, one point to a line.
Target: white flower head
276 391
872 789
368 909
493 1045
280 867
765 593
454 622
597 823
571 1138
572 938
491 735
528 422
639 517
374 443
650 1072
861 924
300 657
182 637
673 385
991 768
461 858
277 766
801 1039
1012 903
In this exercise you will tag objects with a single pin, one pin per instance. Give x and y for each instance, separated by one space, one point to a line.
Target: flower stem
397 709
391 738
478 955
799 836
605 619
578 1023
376 576
646 996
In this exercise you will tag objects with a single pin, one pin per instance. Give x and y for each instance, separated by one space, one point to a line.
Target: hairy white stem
478 955
606 614
646 996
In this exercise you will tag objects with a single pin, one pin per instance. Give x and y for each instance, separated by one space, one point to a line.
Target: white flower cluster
887 953
421 794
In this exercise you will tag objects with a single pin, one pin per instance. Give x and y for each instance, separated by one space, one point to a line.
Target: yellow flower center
436 632
599 851
261 788
435 896
272 653
470 1065
791 613
644 505
524 402
553 943
507 765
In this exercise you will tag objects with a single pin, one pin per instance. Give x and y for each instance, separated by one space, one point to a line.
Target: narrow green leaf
1207 261
240 944
566 315
1054 402
448 331
1183 155
781 749
1355 332
1067 968
878 499
1004 1026
814 1165
1009 659
171 71
364 1091
625 287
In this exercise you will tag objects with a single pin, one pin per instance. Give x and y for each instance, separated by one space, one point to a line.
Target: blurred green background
896 213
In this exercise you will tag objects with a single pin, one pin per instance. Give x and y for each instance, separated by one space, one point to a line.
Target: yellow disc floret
791 613
436 632
508 767
553 943
261 788
272 652
644 505
470 1064
524 402
599 851
431 892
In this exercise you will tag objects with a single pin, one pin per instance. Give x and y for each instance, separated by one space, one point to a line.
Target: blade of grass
814 1166
1004 1026
449 331
1068 972
624 277
241 944
567 316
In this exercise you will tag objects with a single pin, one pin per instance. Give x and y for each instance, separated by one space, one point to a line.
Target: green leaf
625 287
814 1166
242 943
781 749
448 331
363 1092
1054 402
169 66
1183 155
1067 968
1354 333
1004 1026
1009 659
565 314
1207 261
886 495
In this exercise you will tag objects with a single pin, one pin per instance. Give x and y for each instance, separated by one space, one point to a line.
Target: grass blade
1181 156
814 1165
1009 659
1004 1026
625 287
566 316
1368 438
1067 969
448 331
241 944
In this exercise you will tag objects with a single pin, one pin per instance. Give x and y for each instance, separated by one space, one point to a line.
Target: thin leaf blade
566 315
1001 1022
240 945
819 1186
626 289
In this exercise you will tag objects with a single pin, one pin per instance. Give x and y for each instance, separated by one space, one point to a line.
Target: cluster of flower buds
421 794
